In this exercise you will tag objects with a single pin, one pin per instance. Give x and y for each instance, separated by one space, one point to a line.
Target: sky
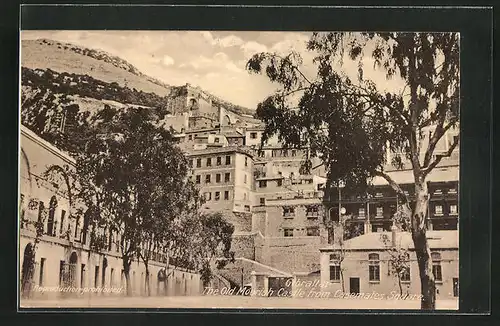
213 60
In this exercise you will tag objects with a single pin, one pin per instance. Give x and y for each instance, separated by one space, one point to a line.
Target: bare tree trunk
148 288
400 287
428 285
342 278
126 270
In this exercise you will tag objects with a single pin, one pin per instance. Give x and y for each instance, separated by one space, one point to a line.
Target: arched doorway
226 121
27 270
51 225
193 104
68 271
162 282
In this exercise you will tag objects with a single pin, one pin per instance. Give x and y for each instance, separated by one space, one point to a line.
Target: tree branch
439 157
294 67
394 185
436 136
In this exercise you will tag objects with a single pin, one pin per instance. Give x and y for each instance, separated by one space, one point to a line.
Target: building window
335 268
262 201
190 137
42 271
191 163
288 232
198 179
246 161
217 195
208 196
219 160
378 194
227 177
438 192
228 160
288 211
279 182
455 287
405 274
253 135
361 212
436 266
226 195
216 140
380 212
63 216
245 196
262 184
374 267
312 211
438 209
294 152
209 161
453 209
452 191
313 232
245 179
217 178
198 163
207 178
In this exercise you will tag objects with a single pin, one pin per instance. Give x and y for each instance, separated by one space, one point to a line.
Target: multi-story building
60 256
373 211
364 265
224 176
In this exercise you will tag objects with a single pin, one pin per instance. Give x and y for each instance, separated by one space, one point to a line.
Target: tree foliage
351 124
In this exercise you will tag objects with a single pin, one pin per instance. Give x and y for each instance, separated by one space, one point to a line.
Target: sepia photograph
239 169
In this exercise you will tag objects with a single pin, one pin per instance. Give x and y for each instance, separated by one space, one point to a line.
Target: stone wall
293 254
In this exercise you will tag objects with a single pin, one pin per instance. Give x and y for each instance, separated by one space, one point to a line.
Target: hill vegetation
106 69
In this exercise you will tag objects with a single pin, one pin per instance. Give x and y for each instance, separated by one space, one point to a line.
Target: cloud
219 61
292 42
229 41
224 42
252 47
208 37
167 60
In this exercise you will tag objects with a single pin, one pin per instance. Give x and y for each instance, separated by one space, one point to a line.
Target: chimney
394 231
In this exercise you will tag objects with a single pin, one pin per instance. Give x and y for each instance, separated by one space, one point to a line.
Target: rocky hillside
101 67
63 57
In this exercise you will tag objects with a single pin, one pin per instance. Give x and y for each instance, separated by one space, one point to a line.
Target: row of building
278 213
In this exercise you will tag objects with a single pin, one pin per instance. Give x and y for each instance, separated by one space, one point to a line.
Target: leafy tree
350 124
399 260
131 177
211 244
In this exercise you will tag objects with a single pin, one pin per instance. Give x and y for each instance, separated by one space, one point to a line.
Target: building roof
25 131
217 150
373 241
442 174
233 135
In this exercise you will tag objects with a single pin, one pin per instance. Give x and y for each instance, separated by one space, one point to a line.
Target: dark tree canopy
351 124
